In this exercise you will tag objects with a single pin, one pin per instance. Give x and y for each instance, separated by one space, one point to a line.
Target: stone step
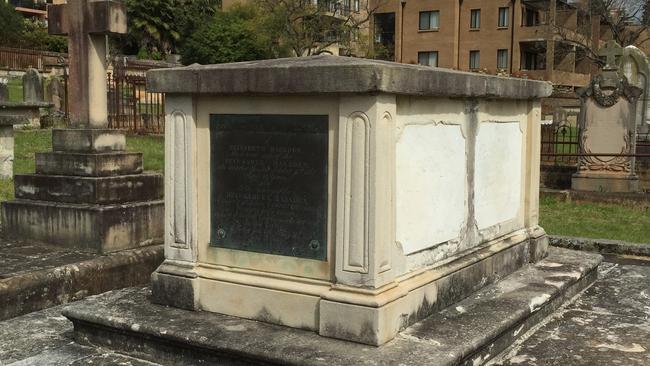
89 165
90 190
471 332
88 140
36 276
93 228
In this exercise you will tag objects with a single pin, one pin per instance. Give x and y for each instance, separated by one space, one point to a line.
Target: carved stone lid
338 75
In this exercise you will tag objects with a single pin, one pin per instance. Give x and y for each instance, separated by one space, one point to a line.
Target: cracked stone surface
18 258
609 324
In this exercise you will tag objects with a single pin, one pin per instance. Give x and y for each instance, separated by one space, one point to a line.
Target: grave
88 193
345 198
608 130
13 114
636 68
348 197
33 93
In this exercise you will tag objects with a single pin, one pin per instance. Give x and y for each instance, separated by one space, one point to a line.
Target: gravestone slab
56 93
32 86
608 130
4 91
269 178
636 68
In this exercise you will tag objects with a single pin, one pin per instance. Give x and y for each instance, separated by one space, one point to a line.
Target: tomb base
605 183
88 194
93 228
473 331
361 315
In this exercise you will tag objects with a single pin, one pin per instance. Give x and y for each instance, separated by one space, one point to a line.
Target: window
429 20
475 21
474 60
502 59
357 6
504 17
429 58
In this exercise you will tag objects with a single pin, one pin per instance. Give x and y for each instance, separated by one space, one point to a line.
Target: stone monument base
604 183
344 312
89 193
473 331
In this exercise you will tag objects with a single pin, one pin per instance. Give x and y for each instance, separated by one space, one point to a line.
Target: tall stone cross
86 23
611 50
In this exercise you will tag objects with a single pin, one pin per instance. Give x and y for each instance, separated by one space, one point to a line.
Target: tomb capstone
608 130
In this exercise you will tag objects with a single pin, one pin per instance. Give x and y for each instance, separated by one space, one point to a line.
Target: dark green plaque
269 184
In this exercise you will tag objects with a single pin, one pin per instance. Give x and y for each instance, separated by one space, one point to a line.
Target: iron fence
561 147
131 107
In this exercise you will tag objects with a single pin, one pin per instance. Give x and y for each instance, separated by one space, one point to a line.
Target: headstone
56 93
608 131
635 65
32 86
89 193
342 195
4 91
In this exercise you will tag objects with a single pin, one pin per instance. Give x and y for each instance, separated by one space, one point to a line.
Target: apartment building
33 8
517 37
523 38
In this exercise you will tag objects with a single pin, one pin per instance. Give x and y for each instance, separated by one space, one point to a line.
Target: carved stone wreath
604 99
623 89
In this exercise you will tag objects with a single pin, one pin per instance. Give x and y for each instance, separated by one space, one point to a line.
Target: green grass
15 86
153 148
595 220
30 142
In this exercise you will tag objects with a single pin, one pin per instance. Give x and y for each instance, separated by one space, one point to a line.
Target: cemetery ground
607 324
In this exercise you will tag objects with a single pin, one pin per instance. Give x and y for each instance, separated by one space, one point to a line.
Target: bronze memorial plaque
269 184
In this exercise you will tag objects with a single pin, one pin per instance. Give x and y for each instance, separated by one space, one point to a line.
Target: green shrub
227 37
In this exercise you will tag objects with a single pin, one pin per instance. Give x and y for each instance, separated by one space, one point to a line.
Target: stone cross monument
608 130
89 192
87 23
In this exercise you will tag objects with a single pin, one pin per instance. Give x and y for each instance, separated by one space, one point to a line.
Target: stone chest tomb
345 196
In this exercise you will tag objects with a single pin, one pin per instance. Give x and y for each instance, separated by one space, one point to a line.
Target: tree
35 36
620 20
12 25
158 27
313 27
151 26
227 37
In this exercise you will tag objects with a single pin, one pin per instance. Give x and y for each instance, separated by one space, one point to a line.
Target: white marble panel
430 189
498 175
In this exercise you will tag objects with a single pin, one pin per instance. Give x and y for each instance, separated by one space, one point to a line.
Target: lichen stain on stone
633 348
537 302
264 315
367 333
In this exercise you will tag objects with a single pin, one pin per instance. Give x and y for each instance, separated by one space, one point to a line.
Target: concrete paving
609 324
